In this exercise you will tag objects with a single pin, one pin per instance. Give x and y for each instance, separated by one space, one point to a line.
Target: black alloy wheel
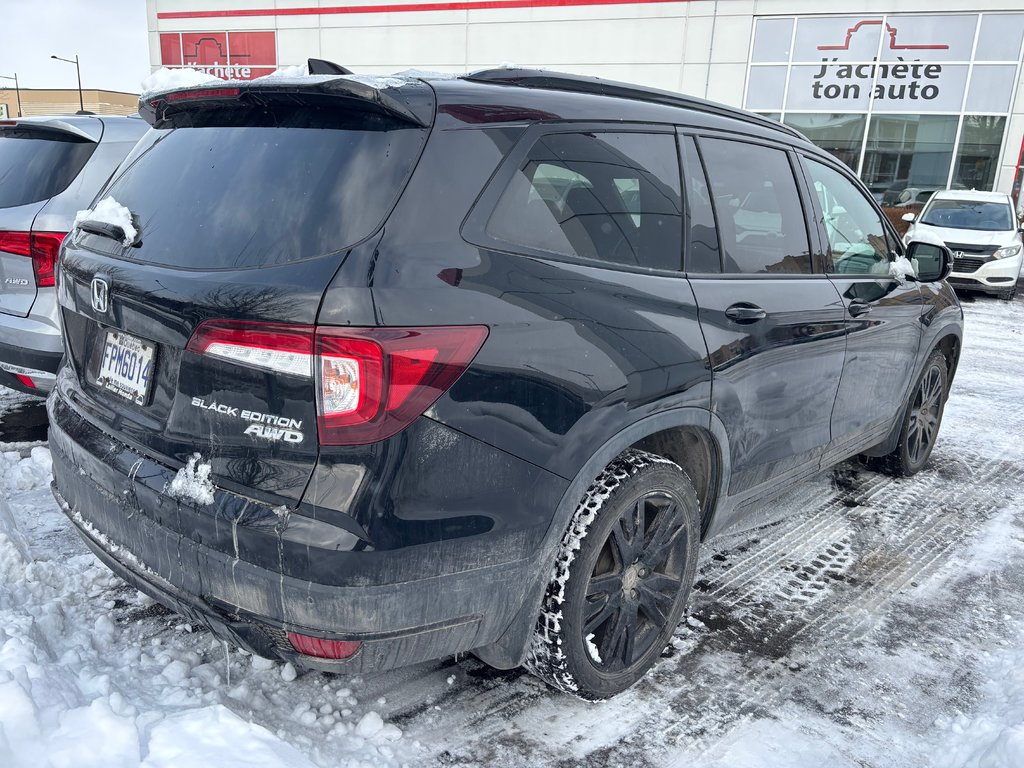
925 412
921 422
635 581
621 579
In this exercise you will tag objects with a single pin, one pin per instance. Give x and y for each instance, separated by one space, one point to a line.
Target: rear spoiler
83 130
407 100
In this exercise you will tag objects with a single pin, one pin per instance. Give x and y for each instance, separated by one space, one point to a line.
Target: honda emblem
100 289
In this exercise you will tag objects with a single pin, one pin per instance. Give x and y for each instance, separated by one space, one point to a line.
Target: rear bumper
429 609
39 367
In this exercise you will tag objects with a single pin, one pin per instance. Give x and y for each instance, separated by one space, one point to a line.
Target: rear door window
603 196
238 196
36 165
760 219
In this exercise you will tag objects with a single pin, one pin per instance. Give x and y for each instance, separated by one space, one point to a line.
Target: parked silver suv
50 168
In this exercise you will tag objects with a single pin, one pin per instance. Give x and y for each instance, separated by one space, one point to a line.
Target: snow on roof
167 79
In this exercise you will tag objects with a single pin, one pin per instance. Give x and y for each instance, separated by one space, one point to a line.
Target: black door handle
745 313
858 307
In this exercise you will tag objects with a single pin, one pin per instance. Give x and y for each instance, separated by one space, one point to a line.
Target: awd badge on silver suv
100 289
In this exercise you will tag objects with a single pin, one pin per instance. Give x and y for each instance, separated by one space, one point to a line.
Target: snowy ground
858 621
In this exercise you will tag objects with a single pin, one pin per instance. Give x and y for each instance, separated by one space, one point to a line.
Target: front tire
621 579
921 422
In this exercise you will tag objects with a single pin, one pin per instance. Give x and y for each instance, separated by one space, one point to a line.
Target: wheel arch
948 341
692 437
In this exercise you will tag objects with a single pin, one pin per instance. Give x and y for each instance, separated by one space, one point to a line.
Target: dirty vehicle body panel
441 537
50 168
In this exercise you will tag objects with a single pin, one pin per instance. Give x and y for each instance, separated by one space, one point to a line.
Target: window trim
474 226
681 137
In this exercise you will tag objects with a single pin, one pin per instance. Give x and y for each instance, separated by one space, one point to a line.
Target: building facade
915 95
64 101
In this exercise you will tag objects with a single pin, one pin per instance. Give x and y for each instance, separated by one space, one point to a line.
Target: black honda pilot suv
384 370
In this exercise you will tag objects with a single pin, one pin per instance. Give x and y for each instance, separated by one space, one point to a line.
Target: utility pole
17 90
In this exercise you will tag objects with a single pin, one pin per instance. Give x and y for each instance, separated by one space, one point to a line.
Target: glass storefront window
841 135
907 151
977 157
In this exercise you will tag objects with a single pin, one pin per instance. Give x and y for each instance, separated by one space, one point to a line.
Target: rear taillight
272 346
25 380
370 383
41 247
323 649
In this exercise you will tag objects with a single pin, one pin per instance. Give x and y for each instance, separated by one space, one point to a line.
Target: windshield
247 196
969 214
36 166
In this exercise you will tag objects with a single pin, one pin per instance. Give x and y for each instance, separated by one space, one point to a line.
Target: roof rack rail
561 81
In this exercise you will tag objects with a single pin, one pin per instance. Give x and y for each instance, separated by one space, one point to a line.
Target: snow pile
993 736
109 211
169 79
901 269
378 82
216 736
93 674
298 70
427 74
192 483
24 474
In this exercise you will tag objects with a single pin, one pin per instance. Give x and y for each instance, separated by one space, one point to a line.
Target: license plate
126 366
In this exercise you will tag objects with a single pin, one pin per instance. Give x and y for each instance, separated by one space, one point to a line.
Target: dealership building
916 94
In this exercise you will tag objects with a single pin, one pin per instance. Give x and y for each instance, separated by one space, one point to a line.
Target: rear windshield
242 196
36 166
969 214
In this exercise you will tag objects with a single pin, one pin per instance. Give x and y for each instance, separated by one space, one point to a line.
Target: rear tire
621 578
921 421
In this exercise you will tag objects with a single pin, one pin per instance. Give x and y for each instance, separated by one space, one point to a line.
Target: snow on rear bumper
115 497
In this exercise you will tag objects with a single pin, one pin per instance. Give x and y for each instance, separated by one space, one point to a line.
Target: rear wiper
113 231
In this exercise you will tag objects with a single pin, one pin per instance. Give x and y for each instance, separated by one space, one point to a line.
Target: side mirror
932 261
908 217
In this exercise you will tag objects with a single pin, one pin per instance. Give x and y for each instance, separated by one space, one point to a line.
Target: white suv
981 230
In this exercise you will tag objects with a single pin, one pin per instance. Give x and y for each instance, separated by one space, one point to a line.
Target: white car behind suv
981 230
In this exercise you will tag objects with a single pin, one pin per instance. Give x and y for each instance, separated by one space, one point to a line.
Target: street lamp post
17 90
81 101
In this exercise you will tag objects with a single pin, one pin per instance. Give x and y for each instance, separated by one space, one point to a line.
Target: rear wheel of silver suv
621 579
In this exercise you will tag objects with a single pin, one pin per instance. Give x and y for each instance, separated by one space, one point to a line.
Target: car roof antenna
324 67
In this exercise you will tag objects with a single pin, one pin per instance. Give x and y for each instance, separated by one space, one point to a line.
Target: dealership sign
229 55
888 64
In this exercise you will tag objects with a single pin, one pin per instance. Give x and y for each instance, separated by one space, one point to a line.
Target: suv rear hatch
195 337
39 158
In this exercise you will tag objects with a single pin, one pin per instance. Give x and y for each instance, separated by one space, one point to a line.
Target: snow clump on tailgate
192 483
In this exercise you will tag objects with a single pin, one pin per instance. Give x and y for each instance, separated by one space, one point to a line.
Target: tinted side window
702 253
856 237
611 197
760 219
34 167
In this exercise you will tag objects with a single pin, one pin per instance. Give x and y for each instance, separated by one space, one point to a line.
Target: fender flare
509 650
